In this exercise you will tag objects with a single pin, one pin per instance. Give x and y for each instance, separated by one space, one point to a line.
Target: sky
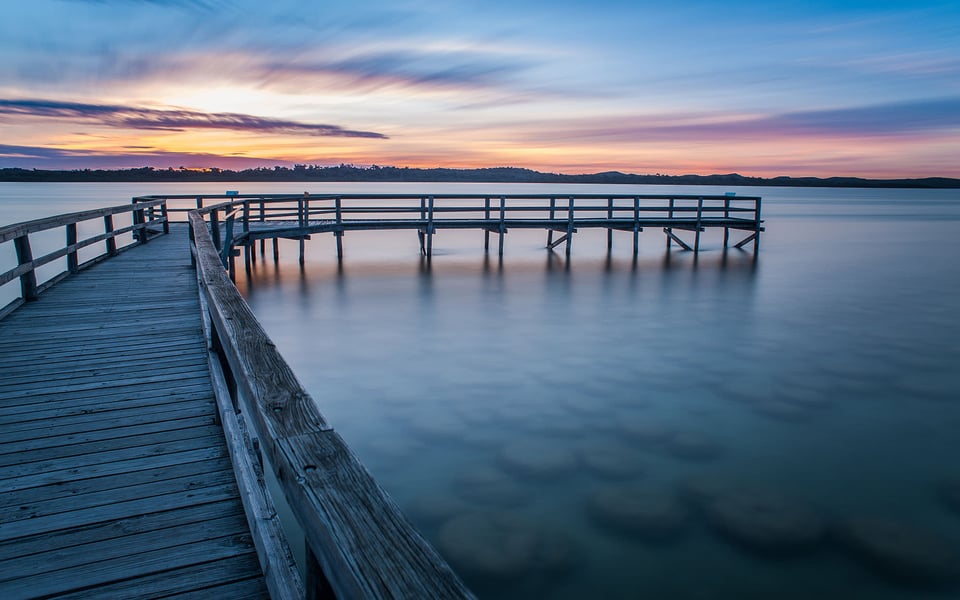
760 88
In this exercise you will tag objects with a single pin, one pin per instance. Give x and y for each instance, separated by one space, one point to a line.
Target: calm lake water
778 426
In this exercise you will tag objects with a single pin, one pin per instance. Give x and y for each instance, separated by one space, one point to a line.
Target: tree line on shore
351 173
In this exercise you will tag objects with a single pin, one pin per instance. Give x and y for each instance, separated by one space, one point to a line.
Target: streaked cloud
41 157
178 119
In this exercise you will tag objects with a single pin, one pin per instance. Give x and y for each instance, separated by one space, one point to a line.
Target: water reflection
739 425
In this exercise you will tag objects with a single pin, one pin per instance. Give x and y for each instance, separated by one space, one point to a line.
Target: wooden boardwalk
115 479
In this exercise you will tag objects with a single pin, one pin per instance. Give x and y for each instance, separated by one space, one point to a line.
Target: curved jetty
143 408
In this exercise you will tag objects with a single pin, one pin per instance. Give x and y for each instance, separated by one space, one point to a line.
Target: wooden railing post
609 229
140 219
486 229
569 225
245 227
553 209
503 228
669 229
28 281
636 225
111 240
726 215
215 229
73 264
430 228
696 243
339 231
166 217
756 225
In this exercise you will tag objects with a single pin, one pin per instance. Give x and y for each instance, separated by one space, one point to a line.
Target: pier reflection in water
731 427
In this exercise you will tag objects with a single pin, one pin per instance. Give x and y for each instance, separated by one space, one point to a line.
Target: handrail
359 544
144 216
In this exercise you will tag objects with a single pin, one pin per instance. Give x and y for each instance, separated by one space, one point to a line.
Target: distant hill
488 175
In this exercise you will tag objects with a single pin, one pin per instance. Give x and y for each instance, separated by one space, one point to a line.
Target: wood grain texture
116 479
364 545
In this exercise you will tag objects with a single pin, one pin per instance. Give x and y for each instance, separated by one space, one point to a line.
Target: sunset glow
824 88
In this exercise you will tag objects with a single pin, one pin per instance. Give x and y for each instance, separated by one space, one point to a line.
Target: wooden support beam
73 266
28 280
215 228
486 217
569 236
726 215
753 236
636 225
553 209
503 228
670 216
609 229
558 241
696 243
276 249
671 236
338 204
111 241
430 229
165 215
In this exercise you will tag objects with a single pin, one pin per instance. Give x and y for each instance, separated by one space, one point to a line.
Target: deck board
116 480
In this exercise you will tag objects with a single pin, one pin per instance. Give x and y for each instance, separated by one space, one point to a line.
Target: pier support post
339 231
73 264
669 230
609 229
28 281
569 225
553 209
636 225
276 250
696 242
430 229
726 216
503 229
111 241
486 230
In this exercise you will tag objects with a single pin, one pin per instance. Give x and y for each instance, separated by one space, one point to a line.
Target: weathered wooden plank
95 448
129 566
51 375
17 413
68 467
365 546
62 494
126 466
120 418
247 589
98 386
67 510
105 434
115 528
174 582
117 510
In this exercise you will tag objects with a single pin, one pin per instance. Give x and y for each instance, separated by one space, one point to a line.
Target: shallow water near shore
731 426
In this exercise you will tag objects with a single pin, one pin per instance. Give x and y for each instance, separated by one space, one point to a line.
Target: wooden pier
144 411
239 221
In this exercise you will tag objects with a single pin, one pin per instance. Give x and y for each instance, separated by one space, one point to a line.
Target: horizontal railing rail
297 216
147 214
358 543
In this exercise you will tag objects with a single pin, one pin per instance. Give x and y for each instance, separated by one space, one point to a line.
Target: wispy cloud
884 120
174 119
42 157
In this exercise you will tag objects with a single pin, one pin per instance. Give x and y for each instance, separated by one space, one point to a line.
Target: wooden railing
145 215
358 543
246 218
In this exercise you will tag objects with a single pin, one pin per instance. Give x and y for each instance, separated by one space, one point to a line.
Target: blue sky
760 88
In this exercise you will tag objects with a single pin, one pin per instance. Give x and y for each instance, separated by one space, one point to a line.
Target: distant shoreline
350 173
